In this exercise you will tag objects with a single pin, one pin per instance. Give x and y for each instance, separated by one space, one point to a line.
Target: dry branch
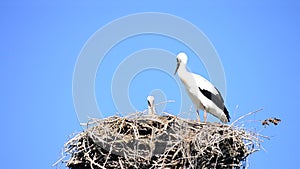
152 141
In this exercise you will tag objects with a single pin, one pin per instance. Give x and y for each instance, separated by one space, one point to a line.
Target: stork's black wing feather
219 95
216 99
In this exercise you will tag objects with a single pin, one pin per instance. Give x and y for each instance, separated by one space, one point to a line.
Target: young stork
202 93
151 108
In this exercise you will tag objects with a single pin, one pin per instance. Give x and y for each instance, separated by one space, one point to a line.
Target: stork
204 95
151 108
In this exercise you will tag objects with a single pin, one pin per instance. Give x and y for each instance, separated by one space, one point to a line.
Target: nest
152 141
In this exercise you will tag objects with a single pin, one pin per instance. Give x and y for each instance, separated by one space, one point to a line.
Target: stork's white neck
183 73
182 69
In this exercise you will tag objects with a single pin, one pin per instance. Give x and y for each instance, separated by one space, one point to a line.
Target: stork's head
151 109
181 59
150 100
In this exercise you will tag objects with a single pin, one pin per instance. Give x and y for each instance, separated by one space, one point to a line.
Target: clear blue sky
257 42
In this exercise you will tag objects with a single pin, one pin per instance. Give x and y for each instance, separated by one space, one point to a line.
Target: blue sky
257 42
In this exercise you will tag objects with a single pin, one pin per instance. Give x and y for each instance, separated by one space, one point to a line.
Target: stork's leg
198 116
205 115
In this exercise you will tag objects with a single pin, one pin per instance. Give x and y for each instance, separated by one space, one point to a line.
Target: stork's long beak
177 67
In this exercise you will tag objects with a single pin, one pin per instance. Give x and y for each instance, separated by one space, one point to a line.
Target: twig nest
152 141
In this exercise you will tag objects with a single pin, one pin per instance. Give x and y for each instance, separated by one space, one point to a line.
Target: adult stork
204 95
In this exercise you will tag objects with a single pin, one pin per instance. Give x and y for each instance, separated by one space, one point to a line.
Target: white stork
202 93
151 108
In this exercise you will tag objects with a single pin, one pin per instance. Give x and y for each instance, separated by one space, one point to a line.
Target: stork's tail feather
226 113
